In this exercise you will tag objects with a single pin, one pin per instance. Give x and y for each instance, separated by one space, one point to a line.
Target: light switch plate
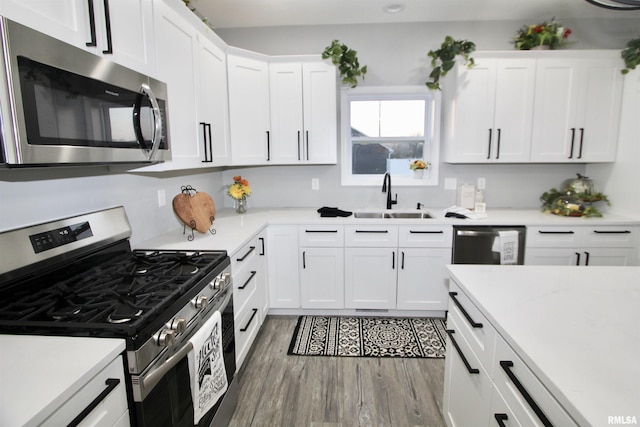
315 183
482 183
162 198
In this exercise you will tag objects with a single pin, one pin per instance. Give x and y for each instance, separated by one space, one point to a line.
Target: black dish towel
333 212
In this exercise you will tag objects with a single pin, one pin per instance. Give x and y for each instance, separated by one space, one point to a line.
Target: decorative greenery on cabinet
347 61
443 59
631 55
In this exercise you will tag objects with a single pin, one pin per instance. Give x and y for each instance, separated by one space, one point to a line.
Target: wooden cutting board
197 211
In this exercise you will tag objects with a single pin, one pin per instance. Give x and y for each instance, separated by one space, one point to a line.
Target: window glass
386 129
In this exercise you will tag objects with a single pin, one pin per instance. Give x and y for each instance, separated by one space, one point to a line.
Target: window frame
431 135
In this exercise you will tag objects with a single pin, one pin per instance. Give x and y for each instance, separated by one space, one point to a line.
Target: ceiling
261 13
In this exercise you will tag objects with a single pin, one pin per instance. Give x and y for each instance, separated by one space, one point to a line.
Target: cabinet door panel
608 256
422 278
283 266
320 119
285 83
553 256
322 278
370 278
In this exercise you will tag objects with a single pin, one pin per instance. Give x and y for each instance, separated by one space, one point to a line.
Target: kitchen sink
393 215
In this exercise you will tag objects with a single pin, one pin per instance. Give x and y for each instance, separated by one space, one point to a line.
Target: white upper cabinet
303 111
577 108
121 30
250 130
489 111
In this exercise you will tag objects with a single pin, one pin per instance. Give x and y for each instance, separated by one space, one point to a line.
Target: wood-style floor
314 391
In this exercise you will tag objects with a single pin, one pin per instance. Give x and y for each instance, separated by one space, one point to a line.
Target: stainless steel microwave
62 105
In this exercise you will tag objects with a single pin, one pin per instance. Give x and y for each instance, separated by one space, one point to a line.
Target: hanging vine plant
347 61
443 59
631 56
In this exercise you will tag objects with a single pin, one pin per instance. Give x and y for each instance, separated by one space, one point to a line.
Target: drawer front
245 283
321 236
426 236
526 396
467 385
560 237
246 254
247 324
472 325
371 236
108 411
611 236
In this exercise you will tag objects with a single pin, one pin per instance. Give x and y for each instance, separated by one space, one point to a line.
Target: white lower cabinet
486 382
581 245
322 267
370 278
283 266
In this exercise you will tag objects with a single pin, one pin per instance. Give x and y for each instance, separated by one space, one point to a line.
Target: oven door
169 402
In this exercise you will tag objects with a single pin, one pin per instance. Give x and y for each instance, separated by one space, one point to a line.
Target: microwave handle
157 120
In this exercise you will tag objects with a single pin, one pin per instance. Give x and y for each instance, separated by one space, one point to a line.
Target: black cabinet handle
471 370
393 260
581 141
304 259
268 146
500 418
299 157
253 273
612 232
555 232
573 138
111 384
426 232
577 258
206 138
92 24
498 145
107 21
372 231
262 246
489 150
402 265
464 312
251 249
586 258
320 231
307 145
255 310
506 366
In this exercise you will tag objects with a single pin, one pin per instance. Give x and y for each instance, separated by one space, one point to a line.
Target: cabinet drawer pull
464 312
471 370
253 273
92 25
612 232
372 231
506 366
261 246
107 22
255 310
556 232
111 384
320 231
426 232
242 258
500 418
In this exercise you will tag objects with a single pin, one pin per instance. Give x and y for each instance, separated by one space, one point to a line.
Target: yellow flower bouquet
239 189
418 164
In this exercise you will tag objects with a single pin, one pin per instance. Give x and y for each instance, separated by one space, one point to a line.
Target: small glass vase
241 205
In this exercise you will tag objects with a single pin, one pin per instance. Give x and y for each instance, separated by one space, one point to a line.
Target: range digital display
55 238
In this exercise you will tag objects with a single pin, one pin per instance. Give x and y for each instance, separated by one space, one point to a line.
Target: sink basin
393 215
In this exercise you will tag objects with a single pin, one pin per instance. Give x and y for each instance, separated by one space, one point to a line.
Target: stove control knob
201 301
166 338
178 325
221 281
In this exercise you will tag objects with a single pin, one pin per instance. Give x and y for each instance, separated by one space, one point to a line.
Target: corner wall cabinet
581 245
250 129
120 30
303 110
534 107
577 109
493 113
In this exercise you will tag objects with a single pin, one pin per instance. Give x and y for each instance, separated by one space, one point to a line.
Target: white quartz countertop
234 230
39 373
577 328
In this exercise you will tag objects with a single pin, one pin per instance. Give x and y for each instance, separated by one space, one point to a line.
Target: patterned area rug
369 337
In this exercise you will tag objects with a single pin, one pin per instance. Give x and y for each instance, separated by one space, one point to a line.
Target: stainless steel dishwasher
480 244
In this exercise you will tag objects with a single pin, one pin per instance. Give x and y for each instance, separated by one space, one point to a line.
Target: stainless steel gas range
79 277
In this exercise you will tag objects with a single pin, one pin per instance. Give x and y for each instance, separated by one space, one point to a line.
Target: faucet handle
420 205
395 201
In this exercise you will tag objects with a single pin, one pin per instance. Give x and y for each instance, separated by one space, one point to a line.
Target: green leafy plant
347 61
443 59
631 55
550 33
561 203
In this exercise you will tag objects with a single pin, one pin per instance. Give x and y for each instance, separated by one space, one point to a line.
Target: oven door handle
156 139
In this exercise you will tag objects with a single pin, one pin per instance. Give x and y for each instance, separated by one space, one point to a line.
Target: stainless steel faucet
387 189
